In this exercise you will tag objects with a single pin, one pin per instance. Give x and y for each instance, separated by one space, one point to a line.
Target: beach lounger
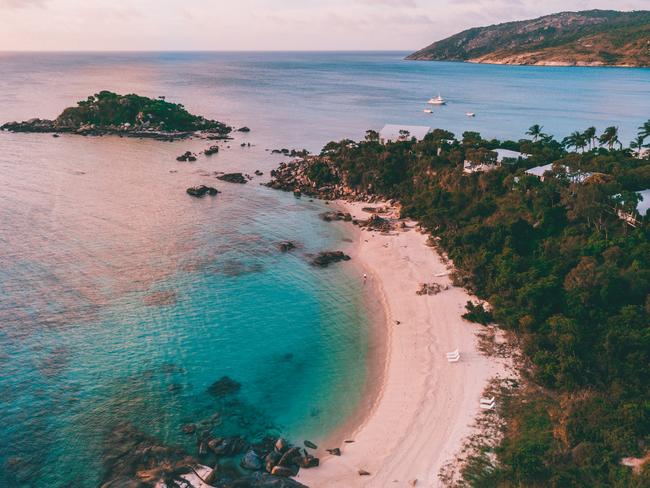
487 400
453 357
454 353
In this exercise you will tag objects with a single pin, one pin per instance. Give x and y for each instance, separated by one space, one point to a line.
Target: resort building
575 177
642 208
502 156
396 133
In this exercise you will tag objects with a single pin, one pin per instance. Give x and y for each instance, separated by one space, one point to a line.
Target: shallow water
122 298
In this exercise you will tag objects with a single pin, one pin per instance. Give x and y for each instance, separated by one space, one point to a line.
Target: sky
224 25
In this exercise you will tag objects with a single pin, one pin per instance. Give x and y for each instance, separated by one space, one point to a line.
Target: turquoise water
121 298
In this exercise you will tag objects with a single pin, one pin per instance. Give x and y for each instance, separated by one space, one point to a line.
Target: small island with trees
127 115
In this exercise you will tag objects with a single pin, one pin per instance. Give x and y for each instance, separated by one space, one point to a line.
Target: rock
297 193
324 259
251 461
211 150
308 461
349 441
258 172
281 445
271 460
188 429
286 246
227 446
375 222
413 482
334 215
334 452
55 135
363 472
224 386
233 178
289 458
243 129
187 156
310 445
202 190
431 289
282 471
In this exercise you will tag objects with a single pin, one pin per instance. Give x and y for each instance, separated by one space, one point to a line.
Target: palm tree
576 140
644 130
638 144
590 136
535 132
610 138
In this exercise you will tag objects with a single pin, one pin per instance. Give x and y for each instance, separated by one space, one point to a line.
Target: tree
637 144
644 130
590 136
576 140
372 136
535 132
609 138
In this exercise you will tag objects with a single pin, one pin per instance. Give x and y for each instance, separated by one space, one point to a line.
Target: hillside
588 38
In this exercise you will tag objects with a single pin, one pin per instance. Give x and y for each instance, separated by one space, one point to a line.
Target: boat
470 114
437 101
428 111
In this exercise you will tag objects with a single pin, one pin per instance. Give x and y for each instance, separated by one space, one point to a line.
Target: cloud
16 4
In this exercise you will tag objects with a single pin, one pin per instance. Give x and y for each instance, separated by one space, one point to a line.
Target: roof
507 153
644 204
540 170
392 132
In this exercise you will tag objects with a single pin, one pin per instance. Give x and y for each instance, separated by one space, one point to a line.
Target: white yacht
437 101
470 114
428 111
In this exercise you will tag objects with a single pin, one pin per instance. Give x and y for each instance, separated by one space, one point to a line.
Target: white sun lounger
454 358
453 354
487 400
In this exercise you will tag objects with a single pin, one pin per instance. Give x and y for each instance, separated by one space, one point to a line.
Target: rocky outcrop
336 215
233 178
211 150
202 190
324 259
187 156
286 246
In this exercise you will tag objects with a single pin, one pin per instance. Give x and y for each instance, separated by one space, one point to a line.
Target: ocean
122 299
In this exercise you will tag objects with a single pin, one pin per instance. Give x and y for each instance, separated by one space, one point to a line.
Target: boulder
227 446
258 172
282 471
363 472
265 480
202 190
211 150
251 461
281 445
188 429
334 452
243 129
233 178
186 156
310 445
271 460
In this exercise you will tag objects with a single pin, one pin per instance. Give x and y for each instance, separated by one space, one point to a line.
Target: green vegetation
601 37
559 267
110 110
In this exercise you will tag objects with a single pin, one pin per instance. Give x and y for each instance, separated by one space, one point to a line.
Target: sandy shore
424 406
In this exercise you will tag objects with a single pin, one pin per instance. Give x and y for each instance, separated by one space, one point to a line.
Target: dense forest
560 267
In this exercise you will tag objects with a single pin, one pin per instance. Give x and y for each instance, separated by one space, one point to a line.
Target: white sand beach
425 405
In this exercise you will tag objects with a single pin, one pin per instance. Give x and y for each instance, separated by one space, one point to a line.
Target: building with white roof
642 207
395 133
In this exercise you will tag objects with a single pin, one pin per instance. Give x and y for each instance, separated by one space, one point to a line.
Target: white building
642 207
395 133
508 154
577 177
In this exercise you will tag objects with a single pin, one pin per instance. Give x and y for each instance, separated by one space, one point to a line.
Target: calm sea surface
123 299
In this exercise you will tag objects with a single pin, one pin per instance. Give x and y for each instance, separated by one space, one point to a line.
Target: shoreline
418 408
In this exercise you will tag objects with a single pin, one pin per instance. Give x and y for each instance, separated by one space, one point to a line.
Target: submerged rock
334 452
202 190
286 246
233 178
252 461
224 386
265 480
310 445
187 156
324 259
211 150
227 446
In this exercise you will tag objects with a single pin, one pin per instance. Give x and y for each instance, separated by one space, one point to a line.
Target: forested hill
588 38
563 257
